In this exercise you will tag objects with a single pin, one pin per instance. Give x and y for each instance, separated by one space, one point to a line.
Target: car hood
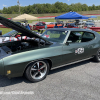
25 32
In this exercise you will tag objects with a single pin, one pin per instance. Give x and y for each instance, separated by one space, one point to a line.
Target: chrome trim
70 63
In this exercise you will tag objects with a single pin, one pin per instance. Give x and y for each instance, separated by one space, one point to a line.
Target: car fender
18 62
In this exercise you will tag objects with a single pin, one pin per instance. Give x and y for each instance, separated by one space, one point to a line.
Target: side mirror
68 42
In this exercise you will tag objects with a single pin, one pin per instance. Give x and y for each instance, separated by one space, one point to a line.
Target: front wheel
37 71
97 56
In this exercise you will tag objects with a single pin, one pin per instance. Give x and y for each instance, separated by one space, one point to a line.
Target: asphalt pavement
80 81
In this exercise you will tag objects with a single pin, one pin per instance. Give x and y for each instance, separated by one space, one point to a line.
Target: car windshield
54 35
11 33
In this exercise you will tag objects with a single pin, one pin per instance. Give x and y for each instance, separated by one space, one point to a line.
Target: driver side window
75 36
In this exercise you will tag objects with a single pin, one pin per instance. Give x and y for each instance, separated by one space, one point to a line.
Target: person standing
56 26
45 26
28 27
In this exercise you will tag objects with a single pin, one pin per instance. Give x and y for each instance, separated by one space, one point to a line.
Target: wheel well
48 60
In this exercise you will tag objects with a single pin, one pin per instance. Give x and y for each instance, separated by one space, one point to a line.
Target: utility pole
18 5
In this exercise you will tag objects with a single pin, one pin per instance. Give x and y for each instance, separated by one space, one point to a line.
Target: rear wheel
97 56
37 71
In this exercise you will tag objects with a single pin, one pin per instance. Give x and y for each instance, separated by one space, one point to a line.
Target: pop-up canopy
93 16
24 17
71 15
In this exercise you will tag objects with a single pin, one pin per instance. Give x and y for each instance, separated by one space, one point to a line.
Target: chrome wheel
38 70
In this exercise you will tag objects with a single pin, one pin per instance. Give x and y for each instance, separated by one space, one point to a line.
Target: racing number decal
79 51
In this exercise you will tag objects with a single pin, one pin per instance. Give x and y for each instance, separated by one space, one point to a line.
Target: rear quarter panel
95 44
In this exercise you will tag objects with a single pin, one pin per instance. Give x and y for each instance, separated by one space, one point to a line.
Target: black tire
97 56
37 71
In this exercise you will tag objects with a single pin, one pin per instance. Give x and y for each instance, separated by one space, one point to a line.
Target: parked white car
90 21
89 24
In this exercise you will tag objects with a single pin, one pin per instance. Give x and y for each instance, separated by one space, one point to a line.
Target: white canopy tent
24 17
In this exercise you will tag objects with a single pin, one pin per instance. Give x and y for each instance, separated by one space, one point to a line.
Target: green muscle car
34 56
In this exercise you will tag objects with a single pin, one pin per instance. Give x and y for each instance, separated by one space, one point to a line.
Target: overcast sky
7 3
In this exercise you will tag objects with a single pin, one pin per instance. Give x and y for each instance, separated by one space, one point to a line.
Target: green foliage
5 30
57 7
98 32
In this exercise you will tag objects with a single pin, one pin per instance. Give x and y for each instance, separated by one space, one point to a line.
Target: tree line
57 7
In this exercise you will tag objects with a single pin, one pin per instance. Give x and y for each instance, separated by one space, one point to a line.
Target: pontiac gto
35 56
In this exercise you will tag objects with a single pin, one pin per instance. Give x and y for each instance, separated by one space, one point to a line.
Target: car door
75 50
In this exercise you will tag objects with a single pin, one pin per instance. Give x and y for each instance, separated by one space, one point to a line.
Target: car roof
89 23
72 29
69 29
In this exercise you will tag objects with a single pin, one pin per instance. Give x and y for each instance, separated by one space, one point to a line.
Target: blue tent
93 16
71 15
